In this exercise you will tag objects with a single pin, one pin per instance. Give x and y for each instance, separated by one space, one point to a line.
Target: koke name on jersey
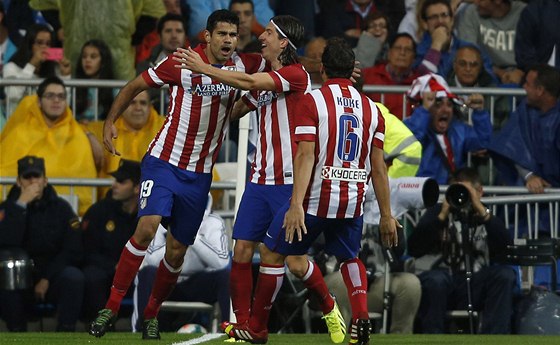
348 102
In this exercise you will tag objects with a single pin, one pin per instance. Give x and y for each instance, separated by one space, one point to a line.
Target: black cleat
103 322
360 330
151 330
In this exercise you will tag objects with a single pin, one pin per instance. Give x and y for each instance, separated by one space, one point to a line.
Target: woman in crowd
32 60
95 62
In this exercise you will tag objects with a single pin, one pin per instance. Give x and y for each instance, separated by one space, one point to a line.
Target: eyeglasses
434 17
43 43
377 26
51 96
471 64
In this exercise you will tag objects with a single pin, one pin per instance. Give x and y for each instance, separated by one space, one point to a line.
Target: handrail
110 83
99 182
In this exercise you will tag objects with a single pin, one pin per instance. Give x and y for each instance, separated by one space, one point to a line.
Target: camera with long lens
458 197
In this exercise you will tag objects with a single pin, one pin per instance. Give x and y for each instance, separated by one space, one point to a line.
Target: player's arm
189 59
387 224
121 102
294 220
240 109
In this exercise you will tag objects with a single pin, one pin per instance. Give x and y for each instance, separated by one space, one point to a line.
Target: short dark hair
170 17
224 16
48 81
293 30
242 2
338 58
429 3
402 34
377 15
547 77
467 174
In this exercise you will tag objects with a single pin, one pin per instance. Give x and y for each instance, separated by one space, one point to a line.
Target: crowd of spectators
428 45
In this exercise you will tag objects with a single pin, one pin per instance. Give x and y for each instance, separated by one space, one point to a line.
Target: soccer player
271 176
177 169
339 134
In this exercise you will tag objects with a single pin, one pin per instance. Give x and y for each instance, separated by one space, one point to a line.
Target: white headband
283 34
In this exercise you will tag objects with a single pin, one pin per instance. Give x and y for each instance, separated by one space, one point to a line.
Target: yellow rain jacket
130 143
65 147
402 150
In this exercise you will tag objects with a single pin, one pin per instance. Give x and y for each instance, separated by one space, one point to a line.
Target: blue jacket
537 33
463 137
530 139
445 63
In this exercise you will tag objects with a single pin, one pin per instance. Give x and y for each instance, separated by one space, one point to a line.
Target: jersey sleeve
254 63
291 78
251 99
379 134
162 73
306 120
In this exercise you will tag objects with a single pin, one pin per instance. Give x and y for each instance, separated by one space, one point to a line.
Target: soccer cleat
359 332
241 331
224 325
335 324
103 322
151 330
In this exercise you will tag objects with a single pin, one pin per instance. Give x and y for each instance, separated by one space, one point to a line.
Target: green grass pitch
124 338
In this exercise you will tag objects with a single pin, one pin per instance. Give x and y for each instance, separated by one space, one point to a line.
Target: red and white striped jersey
345 125
272 163
199 110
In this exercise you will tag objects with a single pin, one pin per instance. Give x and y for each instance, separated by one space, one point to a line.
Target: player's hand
356 73
294 221
536 184
41 289
189 59
109 134
388 231
29 193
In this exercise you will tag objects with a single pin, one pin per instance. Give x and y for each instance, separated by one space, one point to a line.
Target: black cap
31 164
127 170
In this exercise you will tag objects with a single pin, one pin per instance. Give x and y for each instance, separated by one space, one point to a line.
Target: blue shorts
342 236
259 204
174 193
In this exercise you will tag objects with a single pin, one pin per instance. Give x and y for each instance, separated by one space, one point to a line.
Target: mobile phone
55 54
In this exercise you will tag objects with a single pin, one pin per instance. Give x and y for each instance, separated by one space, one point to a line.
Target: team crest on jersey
210 90
143 203
266 98
110 226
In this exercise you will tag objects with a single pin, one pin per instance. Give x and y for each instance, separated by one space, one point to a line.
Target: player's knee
145 230
297 266
243 251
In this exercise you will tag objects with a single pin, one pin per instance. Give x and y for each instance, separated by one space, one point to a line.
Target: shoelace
104 317
332 321
152 328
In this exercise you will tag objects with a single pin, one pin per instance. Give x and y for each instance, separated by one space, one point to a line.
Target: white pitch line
203 339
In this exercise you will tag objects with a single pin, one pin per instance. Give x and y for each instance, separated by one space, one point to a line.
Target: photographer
440 242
